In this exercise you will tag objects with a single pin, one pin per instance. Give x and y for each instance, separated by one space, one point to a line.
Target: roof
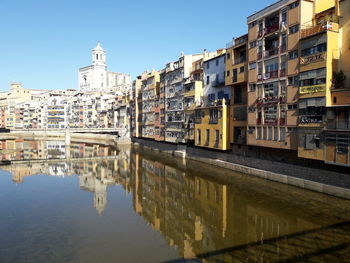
98 47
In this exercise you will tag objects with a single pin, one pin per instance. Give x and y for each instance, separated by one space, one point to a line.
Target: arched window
97 56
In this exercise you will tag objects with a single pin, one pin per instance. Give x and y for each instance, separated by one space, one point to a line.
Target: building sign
312 89
313 59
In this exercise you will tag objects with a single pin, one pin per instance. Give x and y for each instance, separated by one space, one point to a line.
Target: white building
214 79
95 78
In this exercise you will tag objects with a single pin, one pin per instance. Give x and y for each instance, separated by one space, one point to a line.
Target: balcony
312 89
312 30
271 75
270 29
218 83
258 121
260 33
240 60
259 55
271 52
270 121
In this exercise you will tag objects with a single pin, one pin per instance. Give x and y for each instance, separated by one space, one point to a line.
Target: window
217 62
282 134
208 80
252 87
258 133
207 65
207 132
314 50
313 77
213 116
283 88
228 55
228 73
252 44
269 133
241 69
293 29
264 133
211 97
275 134
293 107
252 65
252 24
294 5
271 89
293 54
284 16
198 136
293 81
217 138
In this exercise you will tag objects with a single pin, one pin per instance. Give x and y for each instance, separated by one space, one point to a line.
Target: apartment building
175 75
150 97
324 105
236 78
212 124
273 62
57 113
159 121
193 94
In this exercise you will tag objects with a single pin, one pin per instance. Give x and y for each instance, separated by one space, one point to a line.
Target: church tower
98 56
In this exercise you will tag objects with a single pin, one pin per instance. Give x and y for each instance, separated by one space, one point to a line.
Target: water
96 203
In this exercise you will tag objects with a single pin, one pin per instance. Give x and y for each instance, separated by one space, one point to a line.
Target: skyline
45 49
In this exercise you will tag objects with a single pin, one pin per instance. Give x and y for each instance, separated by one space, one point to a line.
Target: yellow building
337 130
212 126
319 56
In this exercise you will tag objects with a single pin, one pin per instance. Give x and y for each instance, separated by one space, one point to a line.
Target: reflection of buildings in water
92 184
56 150
198 215
21 170
58 169
193 213
19 149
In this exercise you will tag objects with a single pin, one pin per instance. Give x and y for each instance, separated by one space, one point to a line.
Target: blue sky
44 42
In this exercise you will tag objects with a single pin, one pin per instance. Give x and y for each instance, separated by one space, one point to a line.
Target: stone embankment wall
319 180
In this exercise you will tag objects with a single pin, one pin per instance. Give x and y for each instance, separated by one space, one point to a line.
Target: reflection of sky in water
149 208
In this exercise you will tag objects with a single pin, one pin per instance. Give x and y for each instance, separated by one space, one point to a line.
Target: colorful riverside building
159 104
193 93
324 96
236 78
176 74
281 91
150 95
212 116
293 56
273 37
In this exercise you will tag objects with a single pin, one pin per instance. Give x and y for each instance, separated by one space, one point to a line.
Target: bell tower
98 56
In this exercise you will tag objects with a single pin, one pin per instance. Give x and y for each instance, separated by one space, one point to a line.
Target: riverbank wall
310 178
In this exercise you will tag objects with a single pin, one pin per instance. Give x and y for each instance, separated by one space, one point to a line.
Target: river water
97 203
